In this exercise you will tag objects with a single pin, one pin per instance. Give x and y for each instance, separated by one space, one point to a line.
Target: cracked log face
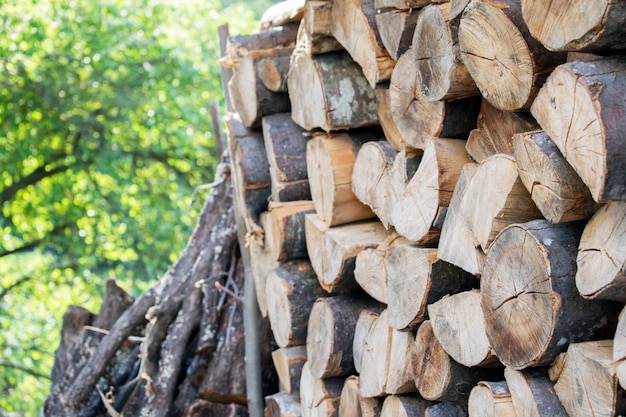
531 305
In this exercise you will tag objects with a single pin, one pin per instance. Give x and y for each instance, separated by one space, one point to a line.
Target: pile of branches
176 350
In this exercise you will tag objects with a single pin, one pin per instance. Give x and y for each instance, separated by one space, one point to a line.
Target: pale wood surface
375 356
352 404
282 404
288 362
283 225
396 28
319 397
288 11
364 323
533 393
491 399
404 406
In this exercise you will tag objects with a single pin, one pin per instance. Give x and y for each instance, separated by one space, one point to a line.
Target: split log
457 7
396 28
419 120
364 323
283 225
352 404
272 72
200 408
446 409
436 375
495 129
314 35
399 374
371 177
261 264
581 107
416 278
402 171
441 74
330 334
329 91
491 399
576 26
404 4
370 270
554 186
385 118
282 404
353 25
319 397
533 393
457 245
419 213
330 164
404 406
587 385
290 291
529 298
250 97
285 145
333 250
459 325
619 341
288 362
375 354
240 46
506 62
601 261
288 11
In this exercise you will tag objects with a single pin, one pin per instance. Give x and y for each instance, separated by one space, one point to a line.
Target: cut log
533 393
457 7
333 251
319 397
457 245
241 45
250 97
352 404
601 261
437 376
329 91
283 225
261 264
402 171
419 120
529 297
288 11
491 399
200 408
314 34
272 72
619 344
371 176
400 374
290 291
459 326
282 404
418 214
577 25
554 186
364 323
354 26
290 191
495 131
285 144
446 409
441 75
416 278
507 64
330 163
385 117
587 384
404 406
396 28
288 363
330 334
581 107
404 4
376 356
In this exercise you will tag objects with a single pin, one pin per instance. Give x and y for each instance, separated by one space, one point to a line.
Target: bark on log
404 4
577 25
601 261
333 250
288 11
491 399
419 213
314 34
272 72
581 107
288 363
533 393
353 25
319 397
459 326
371 178
200 408
446 409
416 278
364 323
436 375
554 186
419 120
283 225
330 164
396 28
441 74
330 334
329 91
285 145
495 129
352 404
282 404
589 369
531 305
507 64
290 291
404 406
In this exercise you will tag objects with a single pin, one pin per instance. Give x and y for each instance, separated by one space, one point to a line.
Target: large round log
532 308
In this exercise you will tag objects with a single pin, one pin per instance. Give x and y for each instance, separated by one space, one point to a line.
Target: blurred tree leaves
105 131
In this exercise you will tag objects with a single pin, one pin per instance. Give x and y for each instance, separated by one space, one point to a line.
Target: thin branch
5 290
34 177
5 364
35 243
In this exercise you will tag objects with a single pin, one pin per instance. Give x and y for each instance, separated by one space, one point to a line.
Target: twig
136 339
227 291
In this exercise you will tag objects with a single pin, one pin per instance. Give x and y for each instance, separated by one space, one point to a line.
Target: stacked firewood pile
434 204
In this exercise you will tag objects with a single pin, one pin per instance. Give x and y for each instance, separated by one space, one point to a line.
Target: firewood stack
435 205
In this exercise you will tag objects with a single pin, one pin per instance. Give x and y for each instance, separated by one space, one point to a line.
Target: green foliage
105 131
